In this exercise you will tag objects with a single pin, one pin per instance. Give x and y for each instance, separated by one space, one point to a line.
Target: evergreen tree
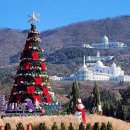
70 126
96 126
32 80
42 126
81 126
62 126
74 96
75 92
54 127
103 126
106 108
95 100
112 110
109 126
119 112
126 111
109 103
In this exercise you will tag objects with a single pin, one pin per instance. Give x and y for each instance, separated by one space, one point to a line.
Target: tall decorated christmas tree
31 86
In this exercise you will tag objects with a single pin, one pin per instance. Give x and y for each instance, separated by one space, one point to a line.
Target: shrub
62 126
54 127
64 111
70 126
81 126
7 126
19 126
42 126
109 126
96 126
103 126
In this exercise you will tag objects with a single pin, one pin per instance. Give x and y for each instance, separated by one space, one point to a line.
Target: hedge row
43 126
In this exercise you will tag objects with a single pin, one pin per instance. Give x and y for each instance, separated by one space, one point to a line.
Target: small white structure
3 103
86 46
55 78
105 44
99 72
98 57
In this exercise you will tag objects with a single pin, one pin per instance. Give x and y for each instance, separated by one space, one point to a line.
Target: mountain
64 53
117 29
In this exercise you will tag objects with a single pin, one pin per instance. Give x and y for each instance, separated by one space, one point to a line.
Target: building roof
105 39
99 63
113 65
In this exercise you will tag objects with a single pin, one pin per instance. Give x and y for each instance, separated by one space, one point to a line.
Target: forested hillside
117 29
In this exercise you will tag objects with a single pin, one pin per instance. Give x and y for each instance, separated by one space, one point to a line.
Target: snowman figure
80 112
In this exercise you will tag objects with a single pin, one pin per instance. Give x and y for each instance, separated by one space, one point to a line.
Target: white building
105 44
99 72
98 57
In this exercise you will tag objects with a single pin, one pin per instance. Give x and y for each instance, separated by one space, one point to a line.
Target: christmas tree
31 86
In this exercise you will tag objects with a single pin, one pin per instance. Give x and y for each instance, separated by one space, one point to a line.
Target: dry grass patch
36 120
116 123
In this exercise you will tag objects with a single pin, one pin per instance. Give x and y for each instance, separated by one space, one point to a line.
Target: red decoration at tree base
38 98
48 99
30 90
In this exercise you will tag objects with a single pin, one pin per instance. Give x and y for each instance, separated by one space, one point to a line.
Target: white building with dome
99 72
105 44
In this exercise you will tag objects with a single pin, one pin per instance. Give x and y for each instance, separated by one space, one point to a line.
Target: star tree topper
33 18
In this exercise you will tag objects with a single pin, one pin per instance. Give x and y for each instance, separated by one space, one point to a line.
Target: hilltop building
97 72
105 44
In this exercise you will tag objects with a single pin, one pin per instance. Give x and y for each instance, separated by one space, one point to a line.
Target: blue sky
57 13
